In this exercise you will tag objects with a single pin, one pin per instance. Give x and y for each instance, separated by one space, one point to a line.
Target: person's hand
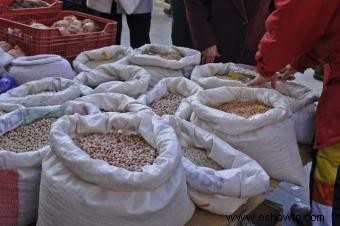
259 80
287 74
209 54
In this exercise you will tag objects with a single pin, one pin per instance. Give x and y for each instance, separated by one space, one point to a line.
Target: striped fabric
9 197
323 184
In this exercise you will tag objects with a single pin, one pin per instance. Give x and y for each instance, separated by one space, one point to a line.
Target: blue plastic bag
7 82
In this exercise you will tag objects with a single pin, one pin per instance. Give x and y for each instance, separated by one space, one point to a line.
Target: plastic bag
7 82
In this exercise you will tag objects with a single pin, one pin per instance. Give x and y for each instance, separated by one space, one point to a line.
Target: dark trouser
116 17
139 25
180 34
76 5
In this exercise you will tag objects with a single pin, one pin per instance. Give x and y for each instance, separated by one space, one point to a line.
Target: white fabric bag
268 138
114 102
7 108
160 67
22 170
113 78
181 86
109 54
30 68
102 194
205 75
302 103
240 178
45 92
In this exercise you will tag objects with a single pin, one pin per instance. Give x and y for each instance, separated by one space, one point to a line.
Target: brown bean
245 109
118 149
27 137
167 105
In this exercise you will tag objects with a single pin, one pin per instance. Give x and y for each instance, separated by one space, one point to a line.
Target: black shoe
300 211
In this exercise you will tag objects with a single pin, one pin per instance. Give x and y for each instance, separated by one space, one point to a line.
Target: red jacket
235 26
304 33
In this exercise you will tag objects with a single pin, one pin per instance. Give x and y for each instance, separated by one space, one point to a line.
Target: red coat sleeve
292 30
198 18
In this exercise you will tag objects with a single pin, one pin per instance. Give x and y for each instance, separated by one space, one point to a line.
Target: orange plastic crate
50 41
55 6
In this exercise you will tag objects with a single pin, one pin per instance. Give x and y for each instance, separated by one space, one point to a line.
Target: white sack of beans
32 68
165 61
301 99
92 59
269 137
22 131
103 194
182 87
216 75
45 92
232 174
114 102
113 78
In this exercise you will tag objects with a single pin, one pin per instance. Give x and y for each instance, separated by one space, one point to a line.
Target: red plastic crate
39 41
55 6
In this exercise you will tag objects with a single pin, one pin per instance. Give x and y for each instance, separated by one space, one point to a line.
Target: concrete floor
286 194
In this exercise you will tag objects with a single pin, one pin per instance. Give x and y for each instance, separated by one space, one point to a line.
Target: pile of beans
246 72
130 152
224 77
245 109
27 137
240 77
168 56
96 63
167 105
200 158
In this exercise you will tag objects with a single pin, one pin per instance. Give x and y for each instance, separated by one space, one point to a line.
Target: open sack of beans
24 136
169 97
113 78
114 102
301 99
165 61
92 59
30 68
255 121
45 92
113 169
219 74
220 178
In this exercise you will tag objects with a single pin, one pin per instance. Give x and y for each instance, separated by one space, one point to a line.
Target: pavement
286 194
